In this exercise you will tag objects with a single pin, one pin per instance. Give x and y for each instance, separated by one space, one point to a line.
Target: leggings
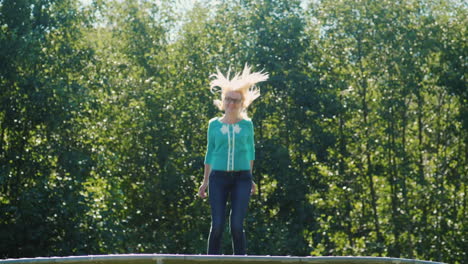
222 185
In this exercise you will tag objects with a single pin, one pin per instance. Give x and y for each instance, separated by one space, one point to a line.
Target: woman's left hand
254 188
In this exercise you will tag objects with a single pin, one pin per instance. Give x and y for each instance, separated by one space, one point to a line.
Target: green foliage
361 130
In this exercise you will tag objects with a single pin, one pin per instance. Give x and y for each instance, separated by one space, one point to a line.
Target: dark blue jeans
223 185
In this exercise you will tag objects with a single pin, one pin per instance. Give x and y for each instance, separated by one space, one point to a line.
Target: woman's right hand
202 190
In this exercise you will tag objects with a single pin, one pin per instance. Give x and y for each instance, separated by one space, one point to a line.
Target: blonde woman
230 156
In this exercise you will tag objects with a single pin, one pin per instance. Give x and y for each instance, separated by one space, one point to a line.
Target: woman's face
232 102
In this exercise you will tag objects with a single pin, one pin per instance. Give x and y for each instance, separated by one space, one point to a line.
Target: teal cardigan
230 146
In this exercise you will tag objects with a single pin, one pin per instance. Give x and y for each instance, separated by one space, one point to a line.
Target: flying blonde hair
244 83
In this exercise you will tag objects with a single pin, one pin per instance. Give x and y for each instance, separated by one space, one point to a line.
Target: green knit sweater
230 146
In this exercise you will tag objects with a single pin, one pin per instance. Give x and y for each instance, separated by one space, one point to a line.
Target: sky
187 4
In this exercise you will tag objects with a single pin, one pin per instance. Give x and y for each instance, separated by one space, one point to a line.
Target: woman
230 156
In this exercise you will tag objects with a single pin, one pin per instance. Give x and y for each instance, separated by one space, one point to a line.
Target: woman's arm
208 159
252 157
206 179
254 186
206 175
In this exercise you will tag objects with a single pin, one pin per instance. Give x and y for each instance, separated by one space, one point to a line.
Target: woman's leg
218 197
240 197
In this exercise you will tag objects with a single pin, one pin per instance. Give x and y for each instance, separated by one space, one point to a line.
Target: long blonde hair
243 83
